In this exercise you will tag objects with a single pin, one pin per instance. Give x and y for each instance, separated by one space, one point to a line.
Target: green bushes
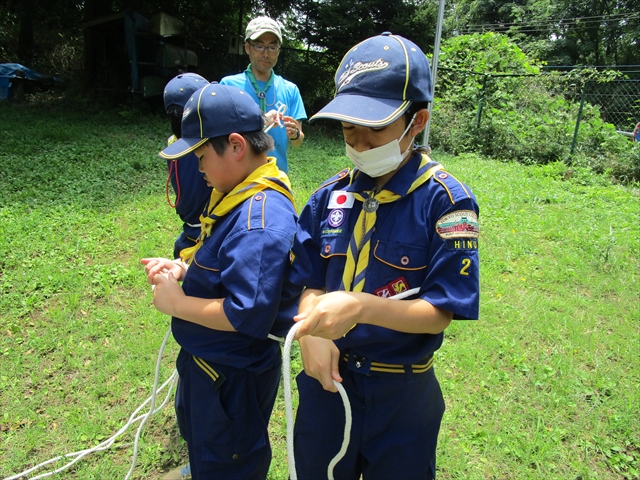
493 100
604 150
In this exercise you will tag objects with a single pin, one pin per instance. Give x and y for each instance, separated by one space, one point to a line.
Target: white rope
281 110
286 374
79 455
152 406
288 407
347 430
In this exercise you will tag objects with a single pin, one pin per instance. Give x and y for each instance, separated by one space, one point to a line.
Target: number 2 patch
465 264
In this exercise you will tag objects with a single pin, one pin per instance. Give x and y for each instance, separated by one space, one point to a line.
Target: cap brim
257 34
181 147
361 110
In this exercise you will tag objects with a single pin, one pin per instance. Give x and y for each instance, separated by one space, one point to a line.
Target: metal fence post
434 71
575 133
481 103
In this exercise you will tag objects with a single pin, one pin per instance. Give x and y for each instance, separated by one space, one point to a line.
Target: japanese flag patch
341 199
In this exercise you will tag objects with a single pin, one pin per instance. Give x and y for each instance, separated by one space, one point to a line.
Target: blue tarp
9 71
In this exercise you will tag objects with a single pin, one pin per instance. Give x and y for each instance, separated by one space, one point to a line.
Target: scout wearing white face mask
379 161
413 227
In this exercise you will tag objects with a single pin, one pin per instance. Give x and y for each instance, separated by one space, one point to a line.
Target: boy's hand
154 266
330 315
320 358
167 293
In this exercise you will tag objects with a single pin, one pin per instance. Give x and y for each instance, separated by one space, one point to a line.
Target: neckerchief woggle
264 177
260 92
353 276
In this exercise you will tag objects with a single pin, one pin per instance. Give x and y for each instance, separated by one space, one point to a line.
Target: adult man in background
278 98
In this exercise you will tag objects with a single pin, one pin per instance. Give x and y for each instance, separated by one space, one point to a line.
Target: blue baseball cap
180 88
377 81
213 111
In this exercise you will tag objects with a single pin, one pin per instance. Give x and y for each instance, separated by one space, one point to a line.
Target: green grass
544 385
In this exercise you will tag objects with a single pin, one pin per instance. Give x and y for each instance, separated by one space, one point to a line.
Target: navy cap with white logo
213 111
179 88
378 80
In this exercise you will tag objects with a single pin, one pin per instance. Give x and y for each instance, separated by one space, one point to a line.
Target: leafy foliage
330 28
335 26
486 53
492 99
564 32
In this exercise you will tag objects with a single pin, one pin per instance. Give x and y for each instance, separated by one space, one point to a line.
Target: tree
25 35
334 26
564 32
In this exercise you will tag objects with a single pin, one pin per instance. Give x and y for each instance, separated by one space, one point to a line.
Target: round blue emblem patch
336 217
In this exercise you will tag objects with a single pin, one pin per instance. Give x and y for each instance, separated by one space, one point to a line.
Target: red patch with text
395 287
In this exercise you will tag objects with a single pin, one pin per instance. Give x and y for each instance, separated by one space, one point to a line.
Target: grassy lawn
544 385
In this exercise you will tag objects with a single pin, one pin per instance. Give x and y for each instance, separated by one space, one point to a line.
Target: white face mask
379 161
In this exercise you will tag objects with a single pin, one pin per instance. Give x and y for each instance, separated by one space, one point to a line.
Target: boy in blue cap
234 293
398 225
192 193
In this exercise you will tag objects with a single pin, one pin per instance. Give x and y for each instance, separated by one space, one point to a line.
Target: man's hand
294 130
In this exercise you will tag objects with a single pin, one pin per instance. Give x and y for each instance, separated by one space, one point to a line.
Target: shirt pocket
332 246
203 276
401 256
397 267
206 260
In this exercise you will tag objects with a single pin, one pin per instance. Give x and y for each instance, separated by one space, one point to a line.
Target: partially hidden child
191 191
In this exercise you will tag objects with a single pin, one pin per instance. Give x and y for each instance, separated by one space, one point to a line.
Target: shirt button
235 456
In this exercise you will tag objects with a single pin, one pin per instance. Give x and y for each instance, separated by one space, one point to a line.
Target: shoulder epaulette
255 211
456 190
336 178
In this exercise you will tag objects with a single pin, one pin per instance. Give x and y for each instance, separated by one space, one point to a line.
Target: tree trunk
25 34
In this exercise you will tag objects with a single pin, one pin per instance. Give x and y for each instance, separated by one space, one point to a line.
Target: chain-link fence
532 118
619 101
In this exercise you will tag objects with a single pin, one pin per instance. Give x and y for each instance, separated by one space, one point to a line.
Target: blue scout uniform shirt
245 260
427 239
281 92
194 191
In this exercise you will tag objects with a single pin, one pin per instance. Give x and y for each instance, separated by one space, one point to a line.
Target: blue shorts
396 420
223 413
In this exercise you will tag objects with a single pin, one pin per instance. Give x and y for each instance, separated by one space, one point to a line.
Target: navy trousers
223 414
396 420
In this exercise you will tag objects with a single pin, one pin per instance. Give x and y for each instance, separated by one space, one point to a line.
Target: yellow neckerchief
359 250
263 177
